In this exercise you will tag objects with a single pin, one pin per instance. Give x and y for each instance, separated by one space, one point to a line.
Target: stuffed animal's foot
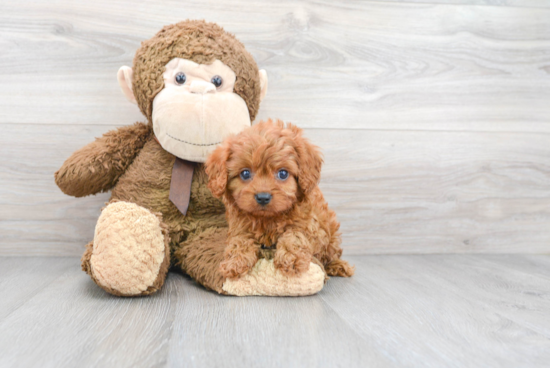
264 279
130 253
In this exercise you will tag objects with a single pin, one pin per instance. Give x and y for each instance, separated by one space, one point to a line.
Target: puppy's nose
263 198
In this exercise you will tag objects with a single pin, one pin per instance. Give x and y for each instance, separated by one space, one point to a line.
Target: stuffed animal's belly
147 183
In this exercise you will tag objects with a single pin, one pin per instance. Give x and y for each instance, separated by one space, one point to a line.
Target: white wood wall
434 116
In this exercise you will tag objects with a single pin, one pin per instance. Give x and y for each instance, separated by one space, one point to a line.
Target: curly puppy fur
297 220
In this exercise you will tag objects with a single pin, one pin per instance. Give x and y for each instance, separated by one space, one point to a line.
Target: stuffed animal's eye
282 174
217 80
246 175
180 78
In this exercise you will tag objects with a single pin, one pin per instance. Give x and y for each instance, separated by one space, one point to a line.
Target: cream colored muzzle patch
128 248
191 125
265 280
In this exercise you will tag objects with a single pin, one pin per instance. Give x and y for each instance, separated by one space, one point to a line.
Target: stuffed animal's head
196 84
265 169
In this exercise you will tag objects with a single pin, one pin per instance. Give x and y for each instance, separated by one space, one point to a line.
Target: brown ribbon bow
180 185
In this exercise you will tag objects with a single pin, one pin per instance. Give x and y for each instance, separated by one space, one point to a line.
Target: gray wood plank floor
397 311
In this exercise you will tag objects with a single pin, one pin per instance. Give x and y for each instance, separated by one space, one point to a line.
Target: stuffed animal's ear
124 77
216 169
310 161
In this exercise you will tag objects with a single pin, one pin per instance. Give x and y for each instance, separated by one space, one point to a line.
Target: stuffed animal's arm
96 167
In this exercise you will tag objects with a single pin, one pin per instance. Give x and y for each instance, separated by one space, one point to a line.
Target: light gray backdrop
434 117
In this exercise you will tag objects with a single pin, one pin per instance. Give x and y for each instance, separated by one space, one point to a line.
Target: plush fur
146 183
98 166
138 170
264 280
297 220
201 42
118 259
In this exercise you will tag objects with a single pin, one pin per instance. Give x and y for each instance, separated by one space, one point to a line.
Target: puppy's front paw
236 265
291 263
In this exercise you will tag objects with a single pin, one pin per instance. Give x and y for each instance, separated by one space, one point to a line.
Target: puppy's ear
216 169
310 160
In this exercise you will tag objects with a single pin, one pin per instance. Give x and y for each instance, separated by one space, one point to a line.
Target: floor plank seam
43 288
487 261
522 325
306 128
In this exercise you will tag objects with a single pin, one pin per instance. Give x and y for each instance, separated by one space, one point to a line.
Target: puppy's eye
217 80
282 175
246 175
180 78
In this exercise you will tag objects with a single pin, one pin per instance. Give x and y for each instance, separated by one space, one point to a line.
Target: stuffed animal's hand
96 167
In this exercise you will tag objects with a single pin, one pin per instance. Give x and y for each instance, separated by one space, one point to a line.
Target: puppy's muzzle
263 198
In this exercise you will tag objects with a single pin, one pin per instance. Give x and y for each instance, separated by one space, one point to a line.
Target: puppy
267 177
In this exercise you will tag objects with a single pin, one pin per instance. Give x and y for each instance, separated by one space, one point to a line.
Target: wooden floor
397 311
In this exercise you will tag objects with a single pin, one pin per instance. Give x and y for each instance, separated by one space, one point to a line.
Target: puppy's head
265 169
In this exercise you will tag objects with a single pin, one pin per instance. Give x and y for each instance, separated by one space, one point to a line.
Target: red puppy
267 176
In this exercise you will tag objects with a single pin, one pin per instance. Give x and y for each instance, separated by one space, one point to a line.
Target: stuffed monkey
195 84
